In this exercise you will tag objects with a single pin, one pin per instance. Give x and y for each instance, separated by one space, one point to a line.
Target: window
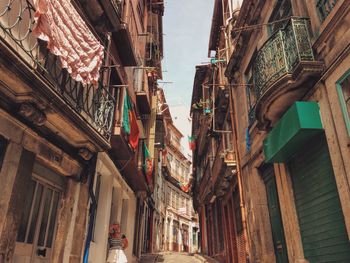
237 209
141 10
250 92
324 7
283 9
97 194
177 166
343 88
3 146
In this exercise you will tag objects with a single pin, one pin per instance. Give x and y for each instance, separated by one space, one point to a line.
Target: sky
186 28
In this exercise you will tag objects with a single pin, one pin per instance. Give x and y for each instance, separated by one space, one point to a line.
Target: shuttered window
318 206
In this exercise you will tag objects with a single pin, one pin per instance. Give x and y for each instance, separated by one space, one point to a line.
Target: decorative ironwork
282 52
95 105
324 7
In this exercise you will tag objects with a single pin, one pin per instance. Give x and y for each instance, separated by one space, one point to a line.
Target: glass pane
346 92
45 217
35 211
26 212
53 219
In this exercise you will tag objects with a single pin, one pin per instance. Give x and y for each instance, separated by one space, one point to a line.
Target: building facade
181 223
218 194
289 76
77 140
286 86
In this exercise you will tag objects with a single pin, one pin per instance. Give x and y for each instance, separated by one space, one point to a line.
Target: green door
275 214
320 215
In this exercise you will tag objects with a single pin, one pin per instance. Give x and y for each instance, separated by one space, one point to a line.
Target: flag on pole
126 109
192 142
148 164
130 122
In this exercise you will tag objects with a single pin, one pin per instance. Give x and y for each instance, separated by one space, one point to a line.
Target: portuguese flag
192 142
130 122
148 164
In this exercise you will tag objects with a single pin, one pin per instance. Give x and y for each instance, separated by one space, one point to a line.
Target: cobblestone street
169 257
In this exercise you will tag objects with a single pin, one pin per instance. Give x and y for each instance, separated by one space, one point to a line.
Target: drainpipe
90 169
239 174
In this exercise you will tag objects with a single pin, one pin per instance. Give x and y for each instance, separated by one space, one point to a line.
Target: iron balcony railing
324 7
281 54
95 105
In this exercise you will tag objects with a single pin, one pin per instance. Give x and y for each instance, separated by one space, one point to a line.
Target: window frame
3 143
339 87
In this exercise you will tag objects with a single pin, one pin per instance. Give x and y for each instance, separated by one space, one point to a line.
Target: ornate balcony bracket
284 70
30 112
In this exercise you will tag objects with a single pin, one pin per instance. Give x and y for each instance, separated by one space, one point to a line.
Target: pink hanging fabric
69 38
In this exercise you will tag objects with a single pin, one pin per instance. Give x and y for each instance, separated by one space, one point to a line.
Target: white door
38 223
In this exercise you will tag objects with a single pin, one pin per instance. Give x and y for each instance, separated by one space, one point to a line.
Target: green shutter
320 215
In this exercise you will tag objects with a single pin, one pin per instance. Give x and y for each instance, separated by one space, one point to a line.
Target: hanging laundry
126 108
134 130
130 122
148 164
192 142
68 37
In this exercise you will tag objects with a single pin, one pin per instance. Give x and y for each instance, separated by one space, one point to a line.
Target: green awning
301 122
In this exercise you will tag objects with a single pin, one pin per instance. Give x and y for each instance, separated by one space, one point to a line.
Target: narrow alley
170 257
177 131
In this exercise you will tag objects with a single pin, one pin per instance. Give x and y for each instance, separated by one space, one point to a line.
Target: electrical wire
252 27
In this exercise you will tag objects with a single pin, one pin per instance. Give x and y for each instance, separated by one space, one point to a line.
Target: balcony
142 90
284 70
82 115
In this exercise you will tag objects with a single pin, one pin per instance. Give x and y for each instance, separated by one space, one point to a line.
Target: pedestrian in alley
117 243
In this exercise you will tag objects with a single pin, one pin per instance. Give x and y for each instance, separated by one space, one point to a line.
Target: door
37 227
275 214
320 215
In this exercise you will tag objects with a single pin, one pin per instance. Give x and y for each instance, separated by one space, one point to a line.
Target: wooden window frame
339 87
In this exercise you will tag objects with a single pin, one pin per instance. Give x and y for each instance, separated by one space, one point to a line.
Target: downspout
239 174
91 173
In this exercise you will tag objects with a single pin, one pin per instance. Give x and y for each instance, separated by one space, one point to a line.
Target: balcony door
36 234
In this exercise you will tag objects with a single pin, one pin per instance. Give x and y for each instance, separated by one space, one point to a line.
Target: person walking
117 244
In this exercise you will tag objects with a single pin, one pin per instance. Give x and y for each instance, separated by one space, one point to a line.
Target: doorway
37 229
279 242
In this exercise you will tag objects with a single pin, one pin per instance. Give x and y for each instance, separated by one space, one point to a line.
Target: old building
289 77
77 126
218 186
181 223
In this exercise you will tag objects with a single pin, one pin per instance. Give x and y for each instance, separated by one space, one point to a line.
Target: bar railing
324 7
281 54
95 104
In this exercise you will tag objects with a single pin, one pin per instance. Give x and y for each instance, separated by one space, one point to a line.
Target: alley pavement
169 257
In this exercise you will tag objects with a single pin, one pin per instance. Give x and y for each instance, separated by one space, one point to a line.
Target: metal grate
281 54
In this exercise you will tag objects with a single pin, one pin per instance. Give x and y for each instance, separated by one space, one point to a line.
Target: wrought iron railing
95 105
282 52
324 7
